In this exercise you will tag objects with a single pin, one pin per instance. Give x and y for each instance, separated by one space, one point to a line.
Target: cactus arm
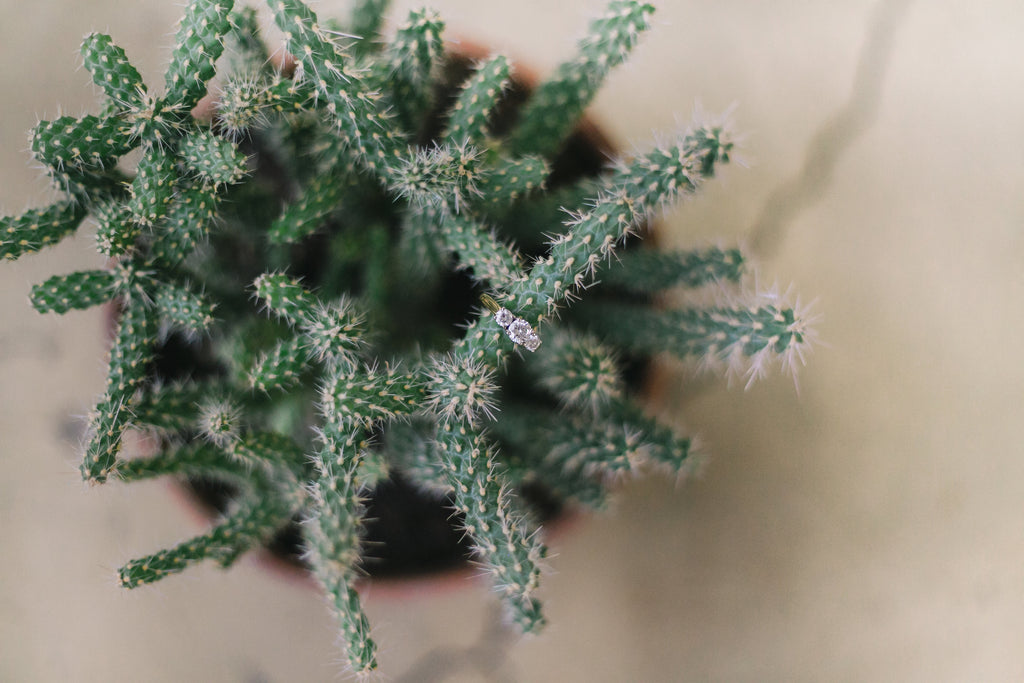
413 56
743 338
280 367
129 360
346 97
112 71
467 122
215 160
557 103
324 196
502 541
333 537
89 142
633 192
38 228
651 270
509 181
83 289
366 20
182 308
198 45
186 225
153 188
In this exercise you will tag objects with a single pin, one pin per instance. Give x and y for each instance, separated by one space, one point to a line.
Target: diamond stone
521 333
504 317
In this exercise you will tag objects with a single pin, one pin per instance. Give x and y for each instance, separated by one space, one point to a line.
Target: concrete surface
867 528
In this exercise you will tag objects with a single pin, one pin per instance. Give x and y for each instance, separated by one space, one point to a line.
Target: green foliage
83 289
364 277
558 102
467 124
38 228
198 45
112 71
214 160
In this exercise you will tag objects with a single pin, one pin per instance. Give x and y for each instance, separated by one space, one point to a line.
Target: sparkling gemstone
532 342
521 333
504 317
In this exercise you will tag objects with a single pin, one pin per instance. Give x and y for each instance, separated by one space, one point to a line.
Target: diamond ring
517 329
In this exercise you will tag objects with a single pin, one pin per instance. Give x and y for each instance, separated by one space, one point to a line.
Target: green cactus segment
331 332
460 389
650 270
575 455
578 370
334 537
80 290
279 458
247 103
154 184
557 103
253 522
363 127
442 177
38 228
467 122
88 142
366 21
413 56
271 496
308 213
596 448
110 418
371 395
246 47
360 648
510 181
501 539
198 45
484 342
129 361
197 458
665 174
280 367
181 308
479 250
334 334
737 338
215 160
116 228
170 408
662 446
633 192
132 349
186 225
285 297
112 71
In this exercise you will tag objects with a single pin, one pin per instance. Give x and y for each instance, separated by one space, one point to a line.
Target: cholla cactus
297 251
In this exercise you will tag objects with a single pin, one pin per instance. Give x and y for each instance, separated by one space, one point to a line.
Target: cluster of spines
452 191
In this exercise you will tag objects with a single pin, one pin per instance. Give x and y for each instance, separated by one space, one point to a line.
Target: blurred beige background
867 528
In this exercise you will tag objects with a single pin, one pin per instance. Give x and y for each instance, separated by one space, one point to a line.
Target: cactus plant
359 269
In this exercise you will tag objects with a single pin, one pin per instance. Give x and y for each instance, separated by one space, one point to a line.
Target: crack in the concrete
835 135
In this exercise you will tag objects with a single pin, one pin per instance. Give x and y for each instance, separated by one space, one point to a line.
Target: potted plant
371 275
